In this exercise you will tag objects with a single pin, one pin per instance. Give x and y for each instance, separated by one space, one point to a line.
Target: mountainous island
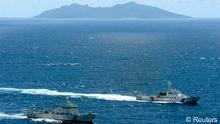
127 10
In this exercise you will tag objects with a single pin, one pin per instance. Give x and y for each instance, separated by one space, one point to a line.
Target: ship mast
169 86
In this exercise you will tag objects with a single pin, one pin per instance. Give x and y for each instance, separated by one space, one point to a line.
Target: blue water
41 61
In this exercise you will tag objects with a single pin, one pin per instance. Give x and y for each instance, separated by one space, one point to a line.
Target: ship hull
82 119
77 122
154 99
190 100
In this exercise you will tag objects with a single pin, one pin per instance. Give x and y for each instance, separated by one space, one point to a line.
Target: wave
62 64
113 97
202 58
91 38
12 116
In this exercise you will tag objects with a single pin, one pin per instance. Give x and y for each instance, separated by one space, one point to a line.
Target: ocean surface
102 65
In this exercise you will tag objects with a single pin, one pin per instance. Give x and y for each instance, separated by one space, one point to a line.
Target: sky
30 8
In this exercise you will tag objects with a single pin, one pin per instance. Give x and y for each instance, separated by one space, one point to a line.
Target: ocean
103 64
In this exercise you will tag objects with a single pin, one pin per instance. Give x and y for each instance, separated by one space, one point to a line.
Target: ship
172 95
65 114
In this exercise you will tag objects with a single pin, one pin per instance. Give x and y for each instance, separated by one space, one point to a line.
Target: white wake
113 97
22 116
46 120
12 116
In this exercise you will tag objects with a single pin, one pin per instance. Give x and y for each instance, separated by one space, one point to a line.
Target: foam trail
12 116
22 116
46 120
114 97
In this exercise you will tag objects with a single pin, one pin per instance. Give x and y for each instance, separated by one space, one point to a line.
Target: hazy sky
29 8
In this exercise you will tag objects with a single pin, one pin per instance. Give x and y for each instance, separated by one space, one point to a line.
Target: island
130 10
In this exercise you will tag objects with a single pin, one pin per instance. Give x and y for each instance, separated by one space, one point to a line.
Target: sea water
103 64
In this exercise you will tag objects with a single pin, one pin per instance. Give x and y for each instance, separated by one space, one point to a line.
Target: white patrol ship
67 114
170 96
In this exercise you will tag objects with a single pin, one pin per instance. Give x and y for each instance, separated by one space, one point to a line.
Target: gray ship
170 96
66 114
